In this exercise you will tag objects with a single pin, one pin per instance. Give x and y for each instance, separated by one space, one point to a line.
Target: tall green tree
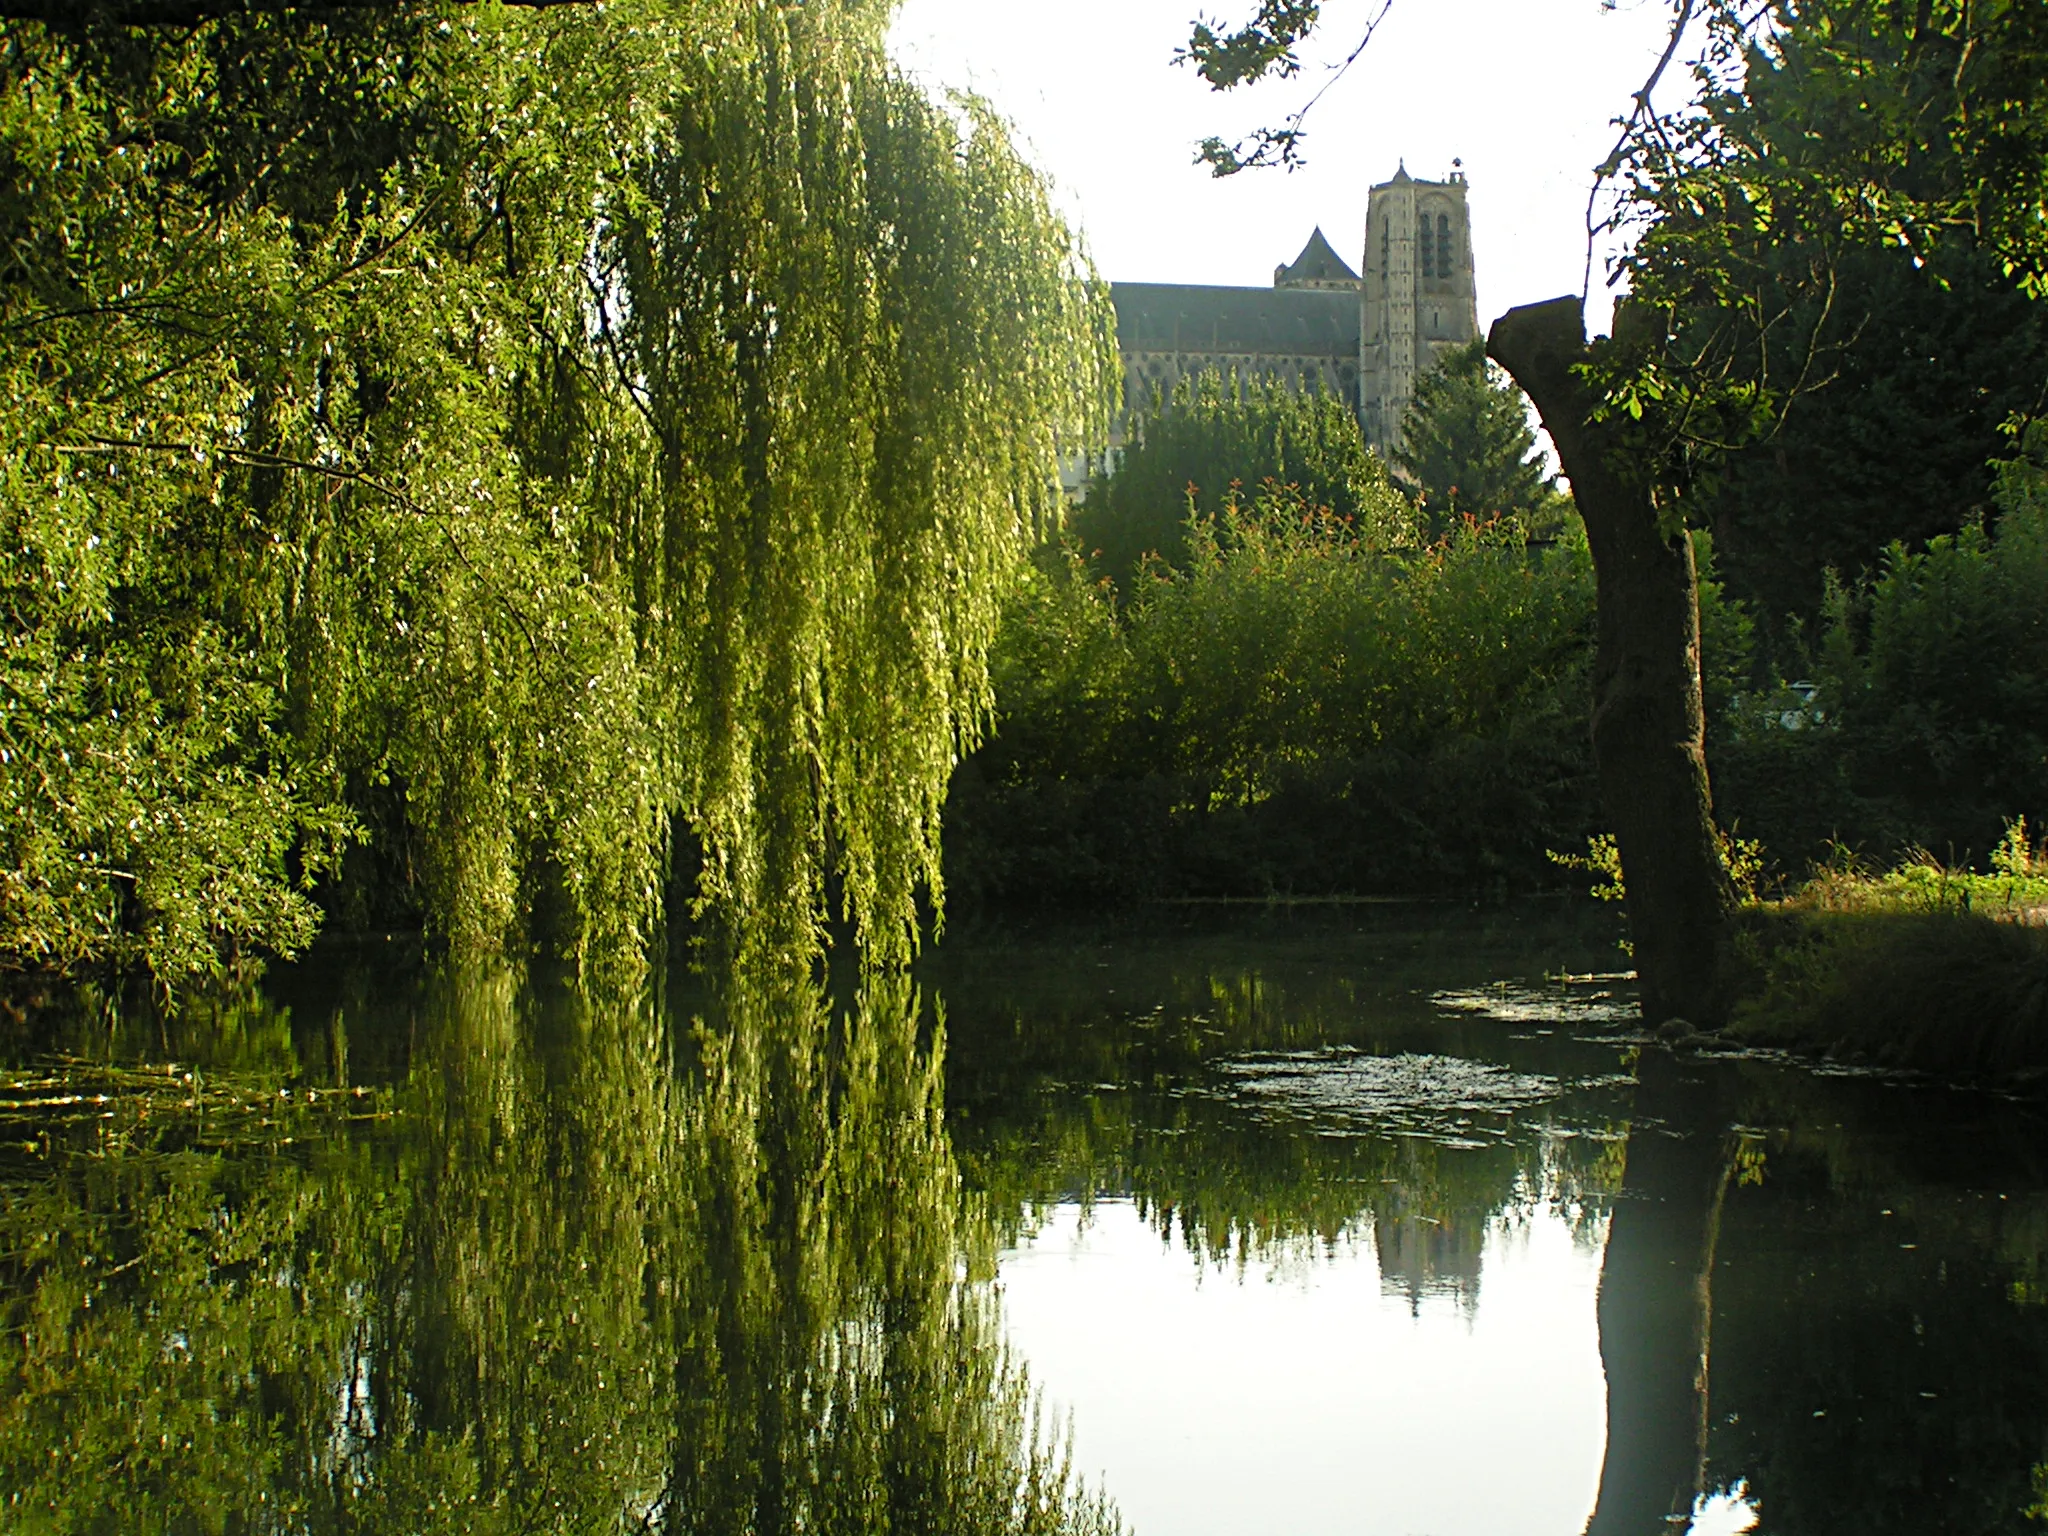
500 440
1921 363
1820 133
1649 713
1215 439
1467 446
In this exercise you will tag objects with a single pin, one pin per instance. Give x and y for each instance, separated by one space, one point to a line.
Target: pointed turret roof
1318 266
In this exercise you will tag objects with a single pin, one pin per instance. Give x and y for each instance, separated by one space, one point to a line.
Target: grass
1919 966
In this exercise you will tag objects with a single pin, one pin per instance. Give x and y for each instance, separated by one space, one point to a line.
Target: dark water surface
1377 1220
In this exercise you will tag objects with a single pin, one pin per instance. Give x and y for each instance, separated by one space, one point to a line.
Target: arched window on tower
1443 245
1425 246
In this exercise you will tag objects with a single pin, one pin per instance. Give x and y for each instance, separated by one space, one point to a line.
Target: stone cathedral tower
1418 298
1365 340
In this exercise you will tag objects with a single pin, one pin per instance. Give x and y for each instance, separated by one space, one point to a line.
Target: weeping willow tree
448 452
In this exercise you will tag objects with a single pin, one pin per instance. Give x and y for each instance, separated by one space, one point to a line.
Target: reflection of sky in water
1301 1396
1724 1514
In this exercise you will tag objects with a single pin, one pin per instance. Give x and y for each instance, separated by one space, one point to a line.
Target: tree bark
1649 725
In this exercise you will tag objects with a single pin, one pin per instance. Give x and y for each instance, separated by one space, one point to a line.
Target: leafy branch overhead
1832 162
75 14
1811 131
1814 136
1261 49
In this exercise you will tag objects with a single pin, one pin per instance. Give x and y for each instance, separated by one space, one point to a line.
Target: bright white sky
1524 91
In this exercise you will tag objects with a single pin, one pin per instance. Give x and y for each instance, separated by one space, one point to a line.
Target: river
1379 1219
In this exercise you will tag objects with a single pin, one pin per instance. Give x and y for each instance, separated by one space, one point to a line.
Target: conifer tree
1467 446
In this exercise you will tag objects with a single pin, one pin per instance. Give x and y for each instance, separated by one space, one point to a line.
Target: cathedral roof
1182 317
1317 263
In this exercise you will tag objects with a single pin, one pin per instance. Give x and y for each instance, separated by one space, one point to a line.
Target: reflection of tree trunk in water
1656 1301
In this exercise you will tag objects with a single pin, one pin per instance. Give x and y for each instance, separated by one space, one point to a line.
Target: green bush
1930 725
1918 966
1215 439
1936 989
1298 710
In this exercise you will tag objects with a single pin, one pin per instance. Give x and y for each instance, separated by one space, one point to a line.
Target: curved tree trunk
1649 727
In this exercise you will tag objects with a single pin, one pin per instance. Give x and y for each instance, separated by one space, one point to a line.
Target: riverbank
1922 967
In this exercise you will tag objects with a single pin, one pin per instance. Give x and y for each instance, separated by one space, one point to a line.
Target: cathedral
1364 339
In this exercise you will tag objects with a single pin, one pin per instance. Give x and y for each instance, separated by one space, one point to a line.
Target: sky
1523 91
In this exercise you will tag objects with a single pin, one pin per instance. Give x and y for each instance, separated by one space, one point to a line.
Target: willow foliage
855 338
484 442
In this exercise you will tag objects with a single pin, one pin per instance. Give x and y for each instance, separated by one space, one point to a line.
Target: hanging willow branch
725 376
865 338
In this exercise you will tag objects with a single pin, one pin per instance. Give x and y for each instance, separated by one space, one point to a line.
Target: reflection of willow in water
574 1275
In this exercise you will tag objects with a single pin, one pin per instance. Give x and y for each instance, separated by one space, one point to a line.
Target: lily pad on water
1572 1001
1445 1098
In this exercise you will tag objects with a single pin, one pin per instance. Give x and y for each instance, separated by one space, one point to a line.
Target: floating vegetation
1345 1092
1607 998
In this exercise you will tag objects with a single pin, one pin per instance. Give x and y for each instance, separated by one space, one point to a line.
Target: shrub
1920 965
1299 709
1930 725
1941 990
1215 438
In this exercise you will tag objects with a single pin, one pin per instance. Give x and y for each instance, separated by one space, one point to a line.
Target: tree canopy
452 452
1809 231
1834 153
1214 438
1467 446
